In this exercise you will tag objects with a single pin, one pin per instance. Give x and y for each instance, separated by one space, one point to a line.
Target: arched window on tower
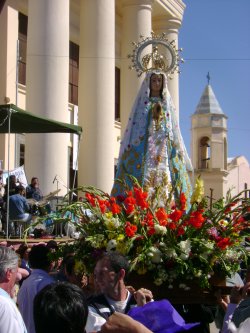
204 153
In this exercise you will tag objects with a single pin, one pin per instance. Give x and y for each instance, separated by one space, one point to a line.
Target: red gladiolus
180 231
112 200
183 201
129 209
151 231
130 201
147 219
162 216
223 243
196 219
102 205
141 197
115 209
130 229
172 226
176 215
91 199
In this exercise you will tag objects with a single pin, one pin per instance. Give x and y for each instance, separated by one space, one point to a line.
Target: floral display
167 242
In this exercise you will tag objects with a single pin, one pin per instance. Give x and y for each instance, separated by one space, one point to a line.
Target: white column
136 21
96 93
8 58
170 26
46 155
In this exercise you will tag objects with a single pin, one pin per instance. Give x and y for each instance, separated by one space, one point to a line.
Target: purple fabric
160 317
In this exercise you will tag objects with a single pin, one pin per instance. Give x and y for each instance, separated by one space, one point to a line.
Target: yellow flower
120 238
198 192
223 223
109 215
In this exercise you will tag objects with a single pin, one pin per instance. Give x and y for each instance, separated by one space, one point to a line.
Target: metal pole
76 167
8 187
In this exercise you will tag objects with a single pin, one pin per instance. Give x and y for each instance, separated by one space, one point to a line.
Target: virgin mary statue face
156 82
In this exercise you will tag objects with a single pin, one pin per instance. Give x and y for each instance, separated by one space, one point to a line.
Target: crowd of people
40 295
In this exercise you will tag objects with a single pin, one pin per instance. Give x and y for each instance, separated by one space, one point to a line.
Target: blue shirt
18 205
37 280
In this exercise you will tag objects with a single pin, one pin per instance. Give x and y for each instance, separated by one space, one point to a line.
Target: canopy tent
16 120
26 122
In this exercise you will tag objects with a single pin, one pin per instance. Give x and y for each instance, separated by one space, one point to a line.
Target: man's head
8 269
110 272
34 182
60 307
39 257
20 190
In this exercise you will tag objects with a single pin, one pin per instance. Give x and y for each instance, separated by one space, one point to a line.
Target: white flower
160 229
155 254
171 253
185 247
111 246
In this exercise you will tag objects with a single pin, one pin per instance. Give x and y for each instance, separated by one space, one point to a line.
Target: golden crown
167 61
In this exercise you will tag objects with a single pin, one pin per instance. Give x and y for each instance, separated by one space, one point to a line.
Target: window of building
22 37
22 153
73 72
117 94
204 152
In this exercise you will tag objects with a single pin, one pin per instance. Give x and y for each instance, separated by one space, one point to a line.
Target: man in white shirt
10 318
109 273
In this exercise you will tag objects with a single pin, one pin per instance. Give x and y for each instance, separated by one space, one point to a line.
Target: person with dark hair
60 307
10 318
110 274
23 252
33 191
39 278
11 184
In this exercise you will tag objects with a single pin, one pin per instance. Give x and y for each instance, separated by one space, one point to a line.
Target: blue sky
215 37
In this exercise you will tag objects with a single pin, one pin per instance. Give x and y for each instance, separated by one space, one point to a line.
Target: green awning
25 122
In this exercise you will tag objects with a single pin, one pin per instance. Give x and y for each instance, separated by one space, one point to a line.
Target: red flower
223 243
115 209
151 231
183 201
91 199
180 231
172 226
196 219
130 229
130 203
147 219
176 215
103 205
162 216
141 197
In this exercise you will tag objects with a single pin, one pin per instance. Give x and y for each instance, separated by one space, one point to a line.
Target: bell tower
209 143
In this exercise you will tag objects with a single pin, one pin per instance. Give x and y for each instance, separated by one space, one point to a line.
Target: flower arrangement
167 242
